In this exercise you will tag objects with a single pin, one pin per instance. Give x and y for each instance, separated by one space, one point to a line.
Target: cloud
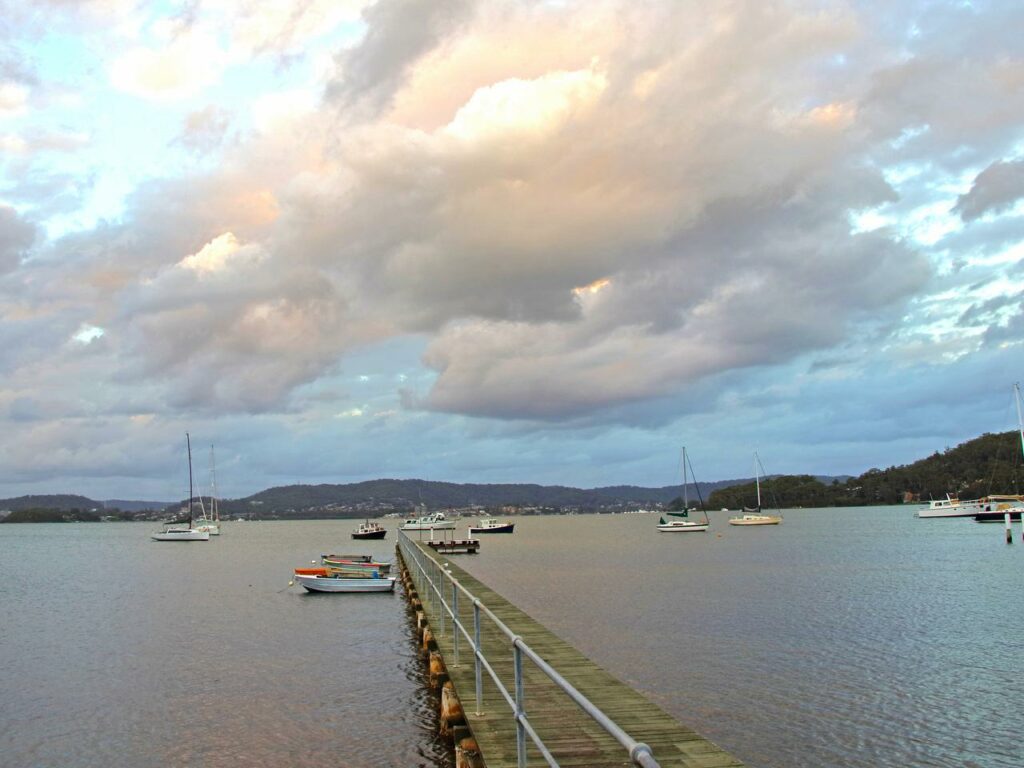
182 67
204 130
16 237
994 190
398 33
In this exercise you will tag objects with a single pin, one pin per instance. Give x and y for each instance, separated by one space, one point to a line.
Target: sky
503 241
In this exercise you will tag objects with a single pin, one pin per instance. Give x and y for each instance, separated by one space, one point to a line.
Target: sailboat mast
188 443
213 489
1020 420
686 502
757 479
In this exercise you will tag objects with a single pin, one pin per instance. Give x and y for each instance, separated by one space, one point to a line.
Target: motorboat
491 525
436 521
951 506
370 530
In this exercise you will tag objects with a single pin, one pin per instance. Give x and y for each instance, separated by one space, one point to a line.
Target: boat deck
573 738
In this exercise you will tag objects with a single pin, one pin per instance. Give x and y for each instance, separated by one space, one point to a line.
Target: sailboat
754 516
210 522
182 530
684 526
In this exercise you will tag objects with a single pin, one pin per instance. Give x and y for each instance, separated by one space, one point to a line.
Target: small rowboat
337 583
342 561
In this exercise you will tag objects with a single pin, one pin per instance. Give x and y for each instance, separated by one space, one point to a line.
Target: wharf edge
488 739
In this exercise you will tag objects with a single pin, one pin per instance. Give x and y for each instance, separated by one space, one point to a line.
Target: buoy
291 583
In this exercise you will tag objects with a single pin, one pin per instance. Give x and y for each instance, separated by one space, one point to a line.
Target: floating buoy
291 583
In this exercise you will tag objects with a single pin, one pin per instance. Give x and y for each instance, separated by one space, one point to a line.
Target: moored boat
491 525
329 582
681 526
755 516
685 526
369 530
355 562
182 530
435 521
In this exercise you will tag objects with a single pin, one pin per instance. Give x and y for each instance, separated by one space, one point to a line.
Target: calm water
842 638
119 651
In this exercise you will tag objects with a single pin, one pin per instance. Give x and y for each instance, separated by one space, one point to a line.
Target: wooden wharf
571 735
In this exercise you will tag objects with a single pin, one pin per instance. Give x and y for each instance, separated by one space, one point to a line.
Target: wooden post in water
1009 530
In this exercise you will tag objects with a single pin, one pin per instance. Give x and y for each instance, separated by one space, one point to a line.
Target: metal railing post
455 623
478 652
517 663
440 600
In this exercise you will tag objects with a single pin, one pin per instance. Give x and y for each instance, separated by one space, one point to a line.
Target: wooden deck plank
573 738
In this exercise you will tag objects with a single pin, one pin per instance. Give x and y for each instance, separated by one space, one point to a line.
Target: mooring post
440 599
517 663
1009 530
476 655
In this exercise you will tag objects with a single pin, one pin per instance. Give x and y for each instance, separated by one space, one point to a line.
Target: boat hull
755 520
314 583
509 528
683 527
998 517
370 534
189 535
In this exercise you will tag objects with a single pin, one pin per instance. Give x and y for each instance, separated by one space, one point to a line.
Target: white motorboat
334 583
182 530
951 506
685 526
755 516
435 521
491 525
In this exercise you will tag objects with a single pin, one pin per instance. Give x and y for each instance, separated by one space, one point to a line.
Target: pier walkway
571 736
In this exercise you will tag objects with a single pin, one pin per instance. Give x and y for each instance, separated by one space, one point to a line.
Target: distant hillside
50 516
985 465
356 499
62 501
126 505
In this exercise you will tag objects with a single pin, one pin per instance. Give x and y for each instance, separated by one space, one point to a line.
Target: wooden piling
1009 528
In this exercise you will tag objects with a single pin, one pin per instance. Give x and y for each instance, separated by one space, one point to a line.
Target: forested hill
990 464
405 494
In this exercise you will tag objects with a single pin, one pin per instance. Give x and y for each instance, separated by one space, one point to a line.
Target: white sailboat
684 526
755 516
182 530
210 523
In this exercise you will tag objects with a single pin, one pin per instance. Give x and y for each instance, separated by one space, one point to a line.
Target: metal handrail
433 575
